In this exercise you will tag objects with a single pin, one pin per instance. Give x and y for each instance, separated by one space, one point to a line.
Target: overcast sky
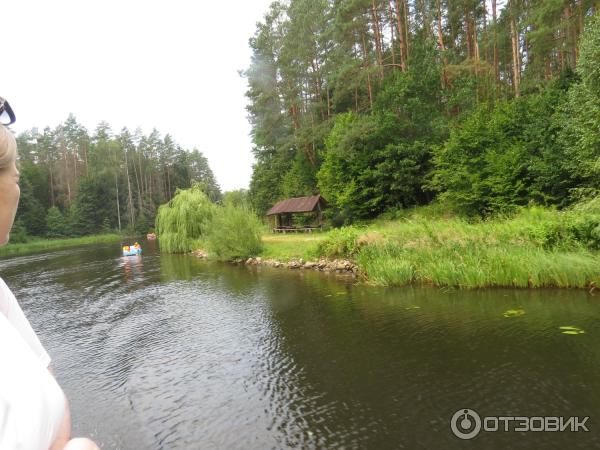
170 65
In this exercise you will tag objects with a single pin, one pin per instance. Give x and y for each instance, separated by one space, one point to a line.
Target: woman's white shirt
32 403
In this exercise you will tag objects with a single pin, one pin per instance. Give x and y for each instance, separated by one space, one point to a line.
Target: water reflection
180 267
132 267
169 351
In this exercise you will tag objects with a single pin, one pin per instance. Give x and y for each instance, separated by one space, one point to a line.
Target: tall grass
535 248
478 266
39 245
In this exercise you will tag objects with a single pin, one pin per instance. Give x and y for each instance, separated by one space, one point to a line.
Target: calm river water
171 352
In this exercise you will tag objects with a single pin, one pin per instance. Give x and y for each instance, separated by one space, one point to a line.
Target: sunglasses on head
7 116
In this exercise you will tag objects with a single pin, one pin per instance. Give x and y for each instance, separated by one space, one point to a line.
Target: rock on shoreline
324 265
341 266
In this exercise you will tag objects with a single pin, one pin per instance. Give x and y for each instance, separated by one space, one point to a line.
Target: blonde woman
34 412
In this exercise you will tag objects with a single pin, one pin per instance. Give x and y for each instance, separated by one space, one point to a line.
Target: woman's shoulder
6 297
3 285
31 402
12 311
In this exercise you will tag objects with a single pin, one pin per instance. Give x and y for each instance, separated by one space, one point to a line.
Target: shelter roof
297 205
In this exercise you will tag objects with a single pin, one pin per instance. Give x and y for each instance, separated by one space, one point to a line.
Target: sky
170 65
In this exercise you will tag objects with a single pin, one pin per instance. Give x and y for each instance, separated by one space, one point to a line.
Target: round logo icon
465 423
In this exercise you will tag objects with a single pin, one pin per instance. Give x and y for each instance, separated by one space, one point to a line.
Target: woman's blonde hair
8 147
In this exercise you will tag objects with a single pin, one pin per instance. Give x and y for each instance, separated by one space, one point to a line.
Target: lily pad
514 313
571 330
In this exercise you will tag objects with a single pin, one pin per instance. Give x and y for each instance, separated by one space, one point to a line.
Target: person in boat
34 411
126 248
136 246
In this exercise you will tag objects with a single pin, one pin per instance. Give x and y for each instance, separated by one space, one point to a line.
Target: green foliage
56 225
71 217
340 243
580 135
537 247
381 160
589 59
504 156
300 179
266 182
478 267
18 233
100 178
105 228
412 102
376 162
234 232
366 172
378 124
182 222
284 247
142 224
36 244
238 198
191 221
30 210
91 209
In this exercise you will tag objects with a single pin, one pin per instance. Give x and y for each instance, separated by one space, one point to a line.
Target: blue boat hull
133 252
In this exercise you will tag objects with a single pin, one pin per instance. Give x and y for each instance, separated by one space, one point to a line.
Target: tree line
77 183
383 104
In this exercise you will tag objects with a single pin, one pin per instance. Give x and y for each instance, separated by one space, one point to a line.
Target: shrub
340 243
234 232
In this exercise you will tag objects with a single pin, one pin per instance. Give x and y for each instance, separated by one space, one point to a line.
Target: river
172 352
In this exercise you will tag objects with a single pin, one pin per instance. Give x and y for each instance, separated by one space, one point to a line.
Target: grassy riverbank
535 248
284 247
39 245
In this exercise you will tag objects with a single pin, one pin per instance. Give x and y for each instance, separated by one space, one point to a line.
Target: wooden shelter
284 211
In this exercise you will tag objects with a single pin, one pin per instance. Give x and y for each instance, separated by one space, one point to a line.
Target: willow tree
183 221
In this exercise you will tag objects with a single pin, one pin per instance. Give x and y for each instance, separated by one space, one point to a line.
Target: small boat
151 236
132 250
